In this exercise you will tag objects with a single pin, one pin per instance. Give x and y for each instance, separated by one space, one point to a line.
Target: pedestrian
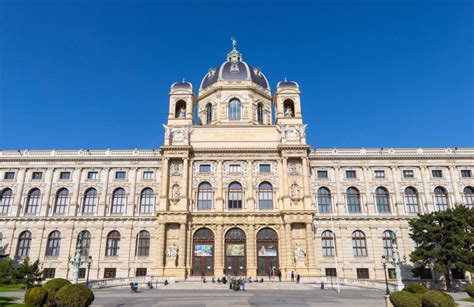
298 277
242 284
292 276
270 273
279 275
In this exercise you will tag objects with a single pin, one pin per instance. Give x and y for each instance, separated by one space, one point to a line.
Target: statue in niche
172 252
182 112
299 253
175 168
295 191
175 194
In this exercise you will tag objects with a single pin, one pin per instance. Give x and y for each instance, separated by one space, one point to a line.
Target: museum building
235 189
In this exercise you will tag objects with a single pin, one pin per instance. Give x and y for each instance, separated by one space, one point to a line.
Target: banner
235 250
267 250
203 250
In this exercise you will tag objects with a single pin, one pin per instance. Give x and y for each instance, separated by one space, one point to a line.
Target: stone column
160 249
182 245
456 191
251 251
340 197
310 250
74 205
219 193
429 205
284 192
399 205
218 252
249 204
307 194
281 185
288 250
369 200
103 201
163 205
282 239
184 183
131 208
17 205
47 200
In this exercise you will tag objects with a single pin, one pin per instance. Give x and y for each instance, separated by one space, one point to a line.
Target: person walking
292 276
279 275
270 273
298 277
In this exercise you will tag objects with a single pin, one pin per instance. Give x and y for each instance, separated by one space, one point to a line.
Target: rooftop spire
234 55
234 43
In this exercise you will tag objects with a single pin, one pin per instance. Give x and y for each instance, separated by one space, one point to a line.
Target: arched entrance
203 252
267 251
235 253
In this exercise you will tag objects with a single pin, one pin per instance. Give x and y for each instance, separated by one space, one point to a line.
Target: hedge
405 299
470 290
415 288
35 297
53 286
436 298
74 296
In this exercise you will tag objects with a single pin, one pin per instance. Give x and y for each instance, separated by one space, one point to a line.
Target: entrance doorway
203 252
235 253
267 251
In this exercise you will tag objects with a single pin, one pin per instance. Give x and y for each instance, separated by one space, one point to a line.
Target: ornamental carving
177 135
300 254
175 193
294 167
176 168
295 191
292 133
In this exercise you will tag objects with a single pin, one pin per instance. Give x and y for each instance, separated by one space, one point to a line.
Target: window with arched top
33 201
147 201
324 200
6 200
328 243
388 239
143 244
469 196
382 199
235 196
411 200
289 108
353 200
90 201
54 244
180 109
260 113
234 109
113 241
85 243
24 244
62 201
265 196
119 200
441 198
208 113
204 198
359 244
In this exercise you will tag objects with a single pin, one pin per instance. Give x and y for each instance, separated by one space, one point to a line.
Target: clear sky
96 74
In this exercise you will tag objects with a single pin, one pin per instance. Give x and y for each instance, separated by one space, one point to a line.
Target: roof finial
286 80
183 80
234 42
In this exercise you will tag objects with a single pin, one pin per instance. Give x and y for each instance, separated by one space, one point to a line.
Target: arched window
90 201
24 244
289 108
411 200
113 240
234 109
387 238
118 201
235 196
382 199
353 200
265 196
62 201
260 113
328 240
235 252
208 113
6 200
147 201
359 246
86 242
203 252
54 244
180 109
33 201
267 250
204 200
441 198
324 200
143 244
469 196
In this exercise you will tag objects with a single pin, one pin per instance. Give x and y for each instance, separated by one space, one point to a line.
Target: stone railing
125 282
391 151
331 283
79 153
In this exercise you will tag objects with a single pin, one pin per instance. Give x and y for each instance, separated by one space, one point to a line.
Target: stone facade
231 191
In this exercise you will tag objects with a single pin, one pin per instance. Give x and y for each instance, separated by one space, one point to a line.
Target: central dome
234 69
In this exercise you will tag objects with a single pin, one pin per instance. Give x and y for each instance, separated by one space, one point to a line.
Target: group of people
274 272
297 275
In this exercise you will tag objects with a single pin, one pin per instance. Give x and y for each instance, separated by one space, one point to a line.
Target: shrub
35 297
74 296
470 290
405 299
415 288
436 298
53 286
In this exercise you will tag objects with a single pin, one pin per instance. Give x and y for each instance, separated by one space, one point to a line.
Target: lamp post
77 258
89 263
384 263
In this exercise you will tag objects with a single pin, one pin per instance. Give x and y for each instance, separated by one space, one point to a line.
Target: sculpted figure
175 192
181 113
295 191
299 253
172 252
288 112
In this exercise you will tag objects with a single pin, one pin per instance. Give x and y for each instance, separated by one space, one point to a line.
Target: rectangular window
351 174
140 272
82 273
110 272
92 175
322 174
120 175
264 168
205 168
37 175
465 173
9 176
234 168
379 174
437 173
426 273
362 273
457 273
49 272
331 272
392 274
408 173
64 175
147 175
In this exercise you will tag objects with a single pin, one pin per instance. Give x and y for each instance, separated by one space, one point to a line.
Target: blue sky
96 74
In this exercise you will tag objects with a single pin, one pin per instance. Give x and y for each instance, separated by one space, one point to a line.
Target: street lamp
384 263
89 263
